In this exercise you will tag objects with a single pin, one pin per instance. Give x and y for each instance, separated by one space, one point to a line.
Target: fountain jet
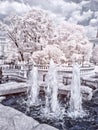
52 88
34 87
76 109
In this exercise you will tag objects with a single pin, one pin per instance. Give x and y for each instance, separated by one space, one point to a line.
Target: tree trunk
15 42
21 54
22 57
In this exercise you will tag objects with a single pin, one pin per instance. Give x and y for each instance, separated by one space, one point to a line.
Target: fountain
76 109
47 107
50 111
33 88
52 104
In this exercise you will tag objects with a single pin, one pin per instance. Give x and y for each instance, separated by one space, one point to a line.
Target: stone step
12 88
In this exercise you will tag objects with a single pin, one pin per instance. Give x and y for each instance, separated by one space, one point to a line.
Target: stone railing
42 67
14 72
7 71
21 71
85 70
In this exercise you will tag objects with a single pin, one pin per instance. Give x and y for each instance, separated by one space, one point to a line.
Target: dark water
89 122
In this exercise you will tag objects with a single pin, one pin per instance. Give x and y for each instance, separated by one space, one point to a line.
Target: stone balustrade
10 72
14 72
42 67
83 70
63 71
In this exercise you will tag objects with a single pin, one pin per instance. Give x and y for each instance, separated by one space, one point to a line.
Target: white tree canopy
35 37
30 32
49 52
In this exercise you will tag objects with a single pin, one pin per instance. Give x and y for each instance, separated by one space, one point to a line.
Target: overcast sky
83 12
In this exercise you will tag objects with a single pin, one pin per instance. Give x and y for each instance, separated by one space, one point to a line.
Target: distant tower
97 34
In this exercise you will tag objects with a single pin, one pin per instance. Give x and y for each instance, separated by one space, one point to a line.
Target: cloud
59 7
82 12
94 22
7 7
91 32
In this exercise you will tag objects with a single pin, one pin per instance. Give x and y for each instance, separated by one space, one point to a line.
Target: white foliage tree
49 52
35 37
30 32
73 42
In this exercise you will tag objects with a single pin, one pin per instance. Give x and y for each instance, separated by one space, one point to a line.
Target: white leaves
50 51
36 35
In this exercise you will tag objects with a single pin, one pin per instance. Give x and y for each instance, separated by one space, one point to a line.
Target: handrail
22 70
